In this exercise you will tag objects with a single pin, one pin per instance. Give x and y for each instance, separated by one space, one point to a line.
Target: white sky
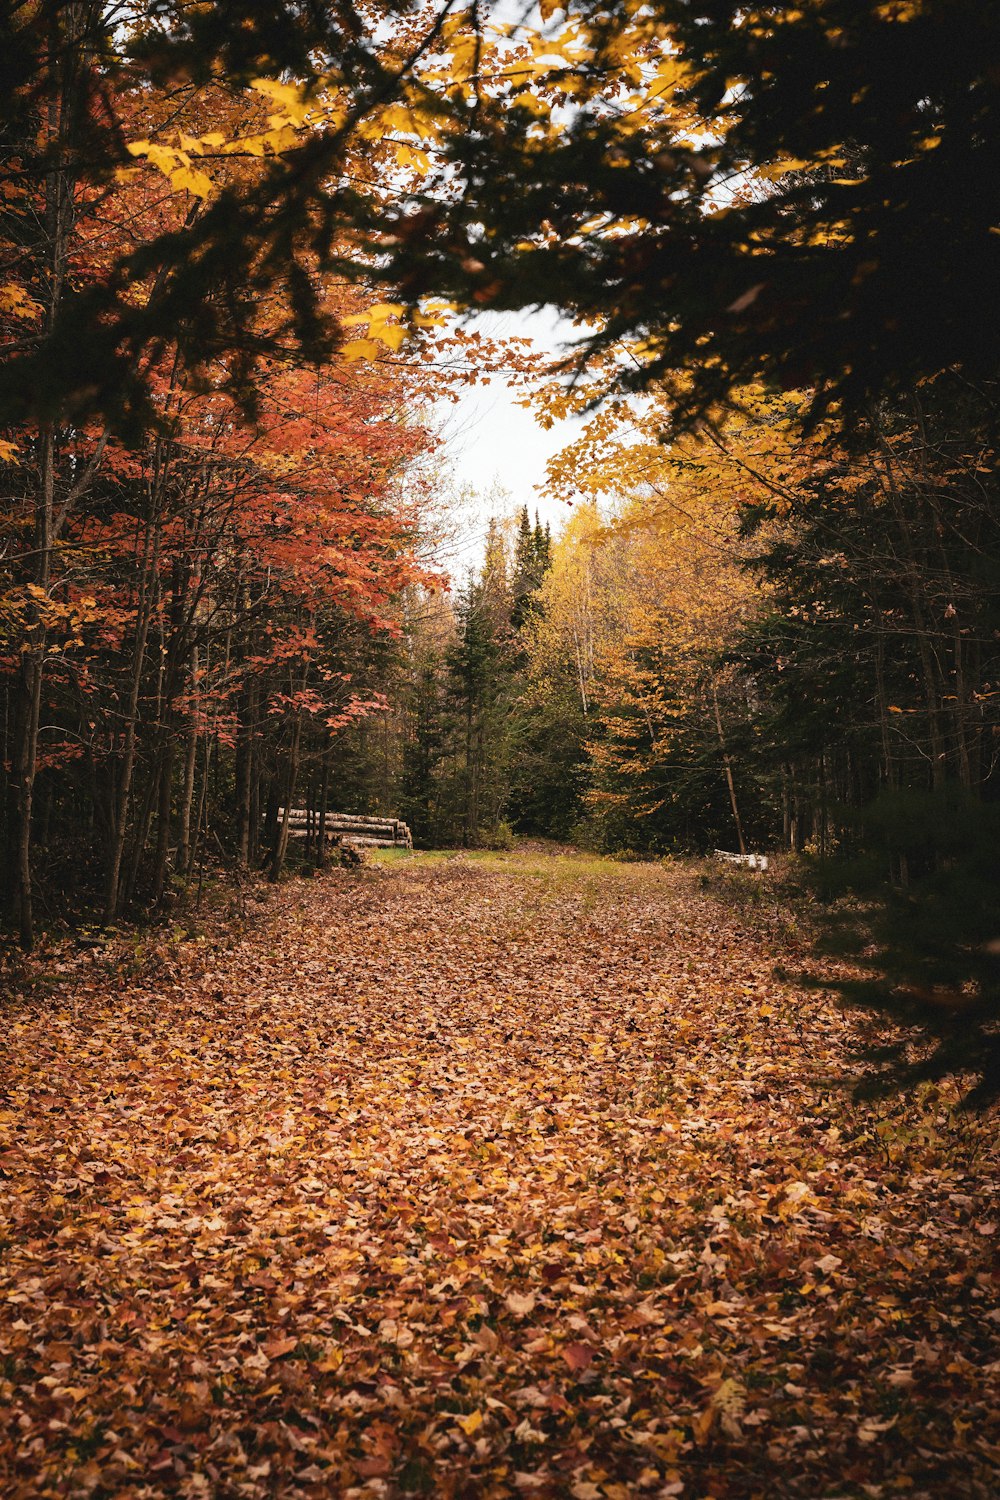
491 443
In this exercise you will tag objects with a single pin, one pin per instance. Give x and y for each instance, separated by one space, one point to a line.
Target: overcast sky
491 441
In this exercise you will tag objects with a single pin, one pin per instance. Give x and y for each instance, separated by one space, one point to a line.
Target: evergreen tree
481 666
427 754
531 563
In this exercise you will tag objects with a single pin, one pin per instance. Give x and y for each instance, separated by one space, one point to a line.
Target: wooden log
384 830
364 840
749 861
340 817
360 820
383 833
300 820
372 826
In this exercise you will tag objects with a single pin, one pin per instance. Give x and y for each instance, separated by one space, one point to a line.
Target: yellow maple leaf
288 95
390 334
189 179
359 349
15 302
781 168
165 158
412 156
248 145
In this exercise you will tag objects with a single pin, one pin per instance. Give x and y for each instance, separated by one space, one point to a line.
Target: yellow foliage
644 598
380 330
15 302
188 179
359 349
294 105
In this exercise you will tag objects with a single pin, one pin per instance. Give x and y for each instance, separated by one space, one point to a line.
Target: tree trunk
324 792
919 606
244 769
187 799
200 822
281 833
112 894
727 763
164 808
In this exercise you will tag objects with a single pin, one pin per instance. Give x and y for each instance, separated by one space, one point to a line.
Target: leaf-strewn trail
521 1176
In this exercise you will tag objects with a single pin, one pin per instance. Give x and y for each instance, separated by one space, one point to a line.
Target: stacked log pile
350 828
750 861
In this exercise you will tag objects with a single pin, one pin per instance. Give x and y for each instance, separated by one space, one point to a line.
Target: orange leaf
277 1347
578 1356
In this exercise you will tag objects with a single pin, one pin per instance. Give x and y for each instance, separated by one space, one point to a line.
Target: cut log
357 828
748 861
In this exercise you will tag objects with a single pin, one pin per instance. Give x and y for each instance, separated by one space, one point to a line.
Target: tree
733 174
481 665
202 584
532 560
726 173
808 629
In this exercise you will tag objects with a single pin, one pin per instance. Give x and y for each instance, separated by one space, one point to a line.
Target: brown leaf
278 1347
577 1356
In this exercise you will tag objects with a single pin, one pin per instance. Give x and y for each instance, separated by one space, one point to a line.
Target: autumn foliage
506 1170
482 1177
194 592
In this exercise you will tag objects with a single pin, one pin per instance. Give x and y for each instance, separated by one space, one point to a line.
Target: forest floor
463 1176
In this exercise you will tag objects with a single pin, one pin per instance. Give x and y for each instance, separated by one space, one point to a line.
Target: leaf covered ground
511 1176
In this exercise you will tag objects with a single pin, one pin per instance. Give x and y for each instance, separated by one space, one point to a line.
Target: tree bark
281 833
112 893
187 795
727 763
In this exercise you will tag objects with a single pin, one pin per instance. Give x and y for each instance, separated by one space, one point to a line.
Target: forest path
461 1176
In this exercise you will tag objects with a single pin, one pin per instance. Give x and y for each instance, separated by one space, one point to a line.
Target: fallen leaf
577 1356
520 1304
472 1423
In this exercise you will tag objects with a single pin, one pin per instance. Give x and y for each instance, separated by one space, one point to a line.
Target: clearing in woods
482 1176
